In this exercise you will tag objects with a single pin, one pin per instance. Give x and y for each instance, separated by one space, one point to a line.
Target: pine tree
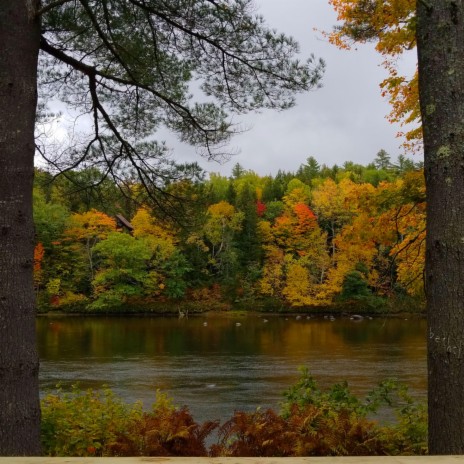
127 65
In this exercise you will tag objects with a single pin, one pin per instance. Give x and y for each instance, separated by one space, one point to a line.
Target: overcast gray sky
345 120
342 121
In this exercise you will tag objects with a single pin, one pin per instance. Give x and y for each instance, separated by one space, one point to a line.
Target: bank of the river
365 307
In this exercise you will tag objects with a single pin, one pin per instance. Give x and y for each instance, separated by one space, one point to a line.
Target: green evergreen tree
383 160
247 241
237 171
275 189
355 284
309 171
404 164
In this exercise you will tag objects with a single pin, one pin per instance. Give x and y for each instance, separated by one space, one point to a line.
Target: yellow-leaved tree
88 229
348 210
223 222
401 227
167 266
158 235
356 246
336 204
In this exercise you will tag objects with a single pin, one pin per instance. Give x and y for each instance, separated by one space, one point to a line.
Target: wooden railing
307 460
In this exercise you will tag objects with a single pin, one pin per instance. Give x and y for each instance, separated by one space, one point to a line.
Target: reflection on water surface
216 366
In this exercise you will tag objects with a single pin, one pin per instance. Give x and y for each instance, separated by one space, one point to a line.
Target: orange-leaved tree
296 258
39 253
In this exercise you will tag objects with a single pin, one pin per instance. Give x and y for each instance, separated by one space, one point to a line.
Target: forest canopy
312 238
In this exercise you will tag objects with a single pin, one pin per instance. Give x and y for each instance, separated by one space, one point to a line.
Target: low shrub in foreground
312 422
85 423
339 409
97 423
307 431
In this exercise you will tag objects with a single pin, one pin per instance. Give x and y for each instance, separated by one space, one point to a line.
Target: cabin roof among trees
123 222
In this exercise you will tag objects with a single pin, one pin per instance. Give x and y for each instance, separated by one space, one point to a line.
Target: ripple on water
226 368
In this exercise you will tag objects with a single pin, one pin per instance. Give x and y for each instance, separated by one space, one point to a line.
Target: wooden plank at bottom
184 460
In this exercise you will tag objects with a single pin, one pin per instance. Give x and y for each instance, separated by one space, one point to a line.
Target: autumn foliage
39 252
313 422
352 236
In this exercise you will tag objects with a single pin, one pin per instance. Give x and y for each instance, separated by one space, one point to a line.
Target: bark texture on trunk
19 392
440 35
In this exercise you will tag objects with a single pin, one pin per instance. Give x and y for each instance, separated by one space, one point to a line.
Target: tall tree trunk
440 35
19 392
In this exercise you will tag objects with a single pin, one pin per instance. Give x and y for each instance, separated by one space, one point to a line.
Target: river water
216 364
